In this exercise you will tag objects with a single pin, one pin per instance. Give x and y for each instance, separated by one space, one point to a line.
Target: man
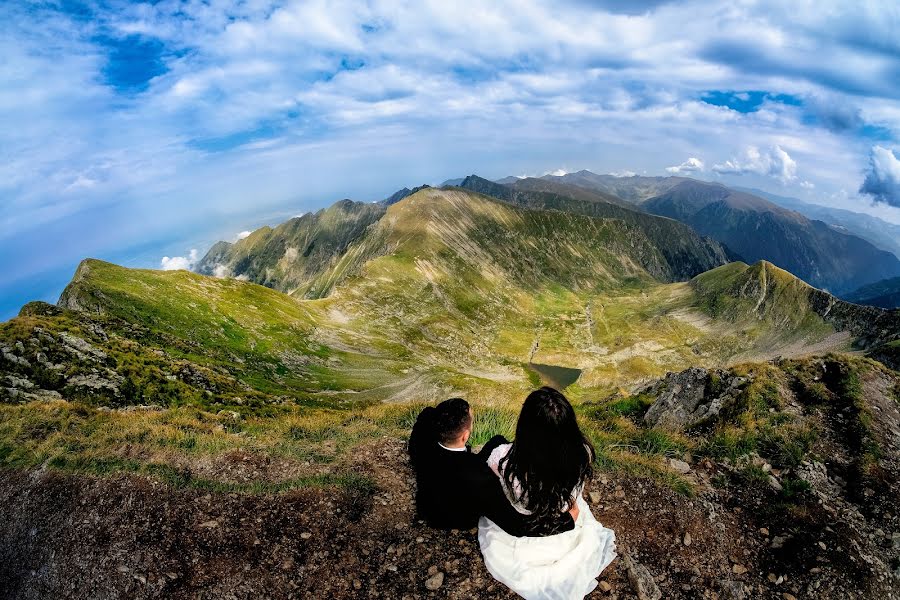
455 486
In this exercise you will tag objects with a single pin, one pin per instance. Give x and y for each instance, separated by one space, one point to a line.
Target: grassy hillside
288 256
686 253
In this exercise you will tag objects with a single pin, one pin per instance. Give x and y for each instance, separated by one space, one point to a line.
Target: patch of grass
794 489
754 474
491 421
786 446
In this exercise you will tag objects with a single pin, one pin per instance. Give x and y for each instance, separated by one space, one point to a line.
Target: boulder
691 397
641 580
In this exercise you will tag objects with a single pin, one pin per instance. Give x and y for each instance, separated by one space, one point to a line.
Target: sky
142 132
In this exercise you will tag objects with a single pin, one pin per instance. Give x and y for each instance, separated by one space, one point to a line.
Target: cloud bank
175 263
691 165
882 180
773 162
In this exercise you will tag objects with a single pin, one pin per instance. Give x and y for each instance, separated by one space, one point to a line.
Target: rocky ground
127 537
755 513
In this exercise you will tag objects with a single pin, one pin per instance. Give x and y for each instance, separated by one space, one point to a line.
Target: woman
543 473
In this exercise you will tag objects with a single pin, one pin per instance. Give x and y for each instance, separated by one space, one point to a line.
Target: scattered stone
641 580
209 524
739 569
775 484
305 535
605 587
787 596
687 538
732 590
595 497
895 540
763 531
680 466
778 541
435 581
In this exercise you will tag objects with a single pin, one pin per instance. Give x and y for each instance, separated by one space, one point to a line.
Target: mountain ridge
687 254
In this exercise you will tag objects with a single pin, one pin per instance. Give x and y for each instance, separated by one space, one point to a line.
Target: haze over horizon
136 131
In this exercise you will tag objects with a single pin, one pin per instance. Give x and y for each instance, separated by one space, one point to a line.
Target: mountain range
753 228
878 231
449 289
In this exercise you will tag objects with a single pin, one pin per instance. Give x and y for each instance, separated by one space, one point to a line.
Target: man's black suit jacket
454 488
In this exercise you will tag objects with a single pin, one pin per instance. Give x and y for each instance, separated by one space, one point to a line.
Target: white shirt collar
463 449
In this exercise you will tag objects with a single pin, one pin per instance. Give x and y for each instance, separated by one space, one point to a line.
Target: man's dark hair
452 417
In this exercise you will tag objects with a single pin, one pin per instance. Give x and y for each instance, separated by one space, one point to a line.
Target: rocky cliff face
692 397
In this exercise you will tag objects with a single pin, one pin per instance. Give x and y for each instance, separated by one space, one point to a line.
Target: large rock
641 580
691 397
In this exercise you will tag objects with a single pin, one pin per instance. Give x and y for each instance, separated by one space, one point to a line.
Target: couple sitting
536 532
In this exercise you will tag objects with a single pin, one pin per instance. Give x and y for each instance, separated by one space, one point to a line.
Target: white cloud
243 235
774 162
691 165
882 180
174 263
807 185
623 173
221 271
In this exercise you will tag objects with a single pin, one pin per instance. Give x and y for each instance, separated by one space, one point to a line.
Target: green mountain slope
756 229
290 255
261 338
686 253
765 292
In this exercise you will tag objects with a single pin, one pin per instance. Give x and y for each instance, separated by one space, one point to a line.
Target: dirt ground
73 536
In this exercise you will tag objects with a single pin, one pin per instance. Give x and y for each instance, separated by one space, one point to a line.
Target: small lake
556 376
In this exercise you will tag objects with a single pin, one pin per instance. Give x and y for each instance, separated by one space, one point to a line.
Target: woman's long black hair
550 457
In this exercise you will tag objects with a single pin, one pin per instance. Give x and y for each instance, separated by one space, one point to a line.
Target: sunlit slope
763 292
288 256
263 337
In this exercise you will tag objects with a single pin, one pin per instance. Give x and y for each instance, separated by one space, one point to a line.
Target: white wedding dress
564 566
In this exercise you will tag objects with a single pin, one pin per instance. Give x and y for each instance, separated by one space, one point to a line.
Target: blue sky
135 131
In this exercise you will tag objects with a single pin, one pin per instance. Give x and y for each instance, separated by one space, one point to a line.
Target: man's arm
422 438
497 440
494 505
